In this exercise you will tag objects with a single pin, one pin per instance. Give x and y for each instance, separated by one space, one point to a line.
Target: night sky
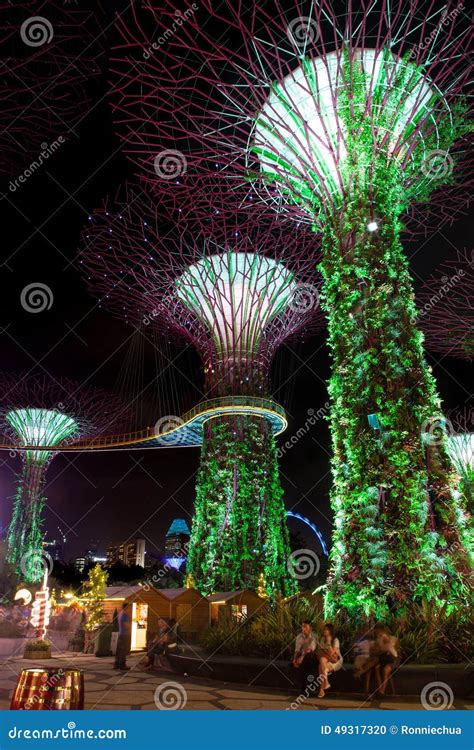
120 495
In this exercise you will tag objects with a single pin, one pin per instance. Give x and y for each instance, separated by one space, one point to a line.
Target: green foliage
38 644
93 595
239 531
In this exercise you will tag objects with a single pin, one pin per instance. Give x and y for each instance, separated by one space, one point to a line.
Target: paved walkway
106 688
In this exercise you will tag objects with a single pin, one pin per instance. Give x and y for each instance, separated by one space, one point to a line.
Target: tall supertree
446 307
51 54
38 416
347 120
236 284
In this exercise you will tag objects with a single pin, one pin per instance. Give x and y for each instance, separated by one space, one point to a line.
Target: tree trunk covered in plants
400 530
239 536
25 550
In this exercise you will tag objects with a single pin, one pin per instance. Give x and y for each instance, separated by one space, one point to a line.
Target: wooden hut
238 604
186 606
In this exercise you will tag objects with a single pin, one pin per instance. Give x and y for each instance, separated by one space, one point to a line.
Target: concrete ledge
408 680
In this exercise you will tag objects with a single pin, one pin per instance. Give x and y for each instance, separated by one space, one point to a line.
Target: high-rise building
177 542
131 552
54 548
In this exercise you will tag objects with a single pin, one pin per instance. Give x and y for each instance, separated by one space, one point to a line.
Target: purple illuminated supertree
38 416
447 308
237 284
50 55
347 120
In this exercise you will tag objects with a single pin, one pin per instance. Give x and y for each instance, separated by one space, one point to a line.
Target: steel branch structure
349 121
447 308
236 283
37 410
50 55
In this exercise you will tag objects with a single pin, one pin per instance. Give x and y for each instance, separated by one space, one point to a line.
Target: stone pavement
106 688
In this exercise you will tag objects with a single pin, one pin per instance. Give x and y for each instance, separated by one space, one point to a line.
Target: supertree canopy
347 120
51 52
447 308
40 415
236 285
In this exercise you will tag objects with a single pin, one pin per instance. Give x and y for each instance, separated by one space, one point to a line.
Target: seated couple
321 653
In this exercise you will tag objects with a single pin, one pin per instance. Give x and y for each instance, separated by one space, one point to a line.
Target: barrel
53 689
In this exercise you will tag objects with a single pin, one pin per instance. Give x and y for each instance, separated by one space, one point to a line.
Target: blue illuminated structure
312 526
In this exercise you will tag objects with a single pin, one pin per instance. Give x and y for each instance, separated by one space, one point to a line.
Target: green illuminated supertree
38 416
344 120
236 283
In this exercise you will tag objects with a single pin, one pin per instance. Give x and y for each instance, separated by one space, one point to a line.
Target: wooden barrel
49 690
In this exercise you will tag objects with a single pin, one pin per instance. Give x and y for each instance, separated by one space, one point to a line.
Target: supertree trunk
399 530
24 535
239 529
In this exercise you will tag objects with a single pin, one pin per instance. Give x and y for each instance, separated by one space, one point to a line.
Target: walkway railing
233 404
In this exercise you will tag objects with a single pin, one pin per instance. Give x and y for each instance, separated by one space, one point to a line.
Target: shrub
38 644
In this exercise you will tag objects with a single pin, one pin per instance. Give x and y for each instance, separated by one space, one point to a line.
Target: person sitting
157 644
304 656
364 658
329 657
387 651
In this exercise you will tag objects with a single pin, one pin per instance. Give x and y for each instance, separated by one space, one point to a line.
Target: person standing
304 656
124 638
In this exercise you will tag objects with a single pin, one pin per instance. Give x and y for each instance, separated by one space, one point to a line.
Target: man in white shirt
304 657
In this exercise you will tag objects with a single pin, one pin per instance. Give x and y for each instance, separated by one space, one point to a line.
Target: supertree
236 284
447 308
51 53
38 416
346 120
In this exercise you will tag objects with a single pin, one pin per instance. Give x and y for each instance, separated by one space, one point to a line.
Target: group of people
165 638
375 651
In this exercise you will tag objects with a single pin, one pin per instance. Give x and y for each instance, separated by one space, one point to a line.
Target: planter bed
409 679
